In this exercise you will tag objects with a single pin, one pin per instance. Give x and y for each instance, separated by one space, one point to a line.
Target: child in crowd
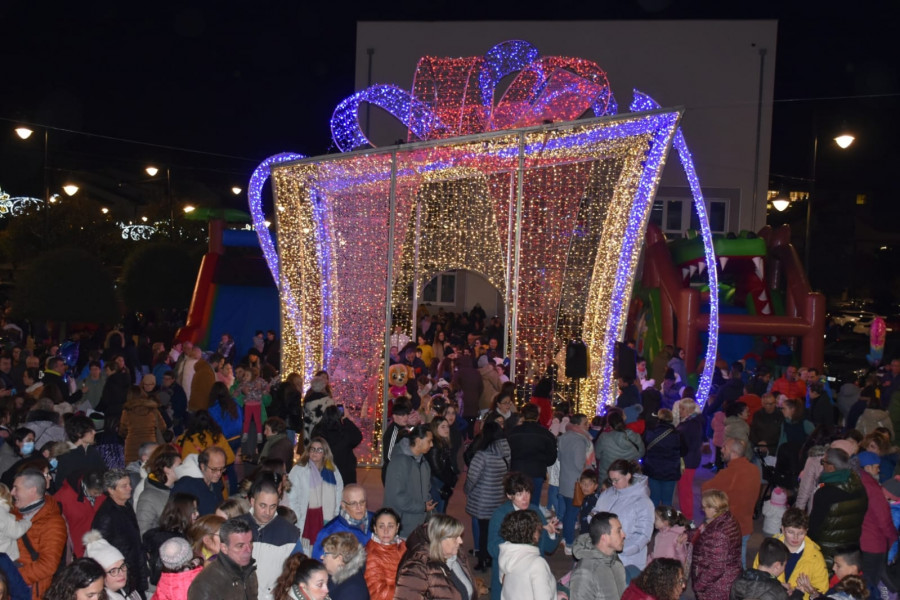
10 529
773 510
179 568
762 582
590 487
252 391
672 536
847 563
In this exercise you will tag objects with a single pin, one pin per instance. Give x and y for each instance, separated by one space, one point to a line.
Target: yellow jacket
811 562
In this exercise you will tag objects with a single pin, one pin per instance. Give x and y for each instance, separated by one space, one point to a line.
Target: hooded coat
635 511
597 576
140 422
524 573
407 486
349 583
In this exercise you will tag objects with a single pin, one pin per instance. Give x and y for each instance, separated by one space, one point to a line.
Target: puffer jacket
140 421
635 511
382 561
662 460
407 486
757 584
349 583
484 481
716 561
691 430
839 507
809 478
419 577
175 586
224 580
48 537
811 563
596 575
613 445
524 573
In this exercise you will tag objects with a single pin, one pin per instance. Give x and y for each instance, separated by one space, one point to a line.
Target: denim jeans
661 492
537 486
554 500
744 540
569 518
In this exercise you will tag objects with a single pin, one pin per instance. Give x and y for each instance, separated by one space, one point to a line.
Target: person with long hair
157 486
434 566
407 487
383 554
302 579
663 579
690 426
484 485
226 413
177 517
628 499
442 463
342 436
716 559
617 442
316 490
81 580
203 534
201 433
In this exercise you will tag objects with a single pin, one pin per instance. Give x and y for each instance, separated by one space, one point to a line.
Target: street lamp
70 189
843 142
23 132
152 171
189 208
236 190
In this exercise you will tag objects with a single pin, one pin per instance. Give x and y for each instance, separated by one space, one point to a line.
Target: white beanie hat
100 550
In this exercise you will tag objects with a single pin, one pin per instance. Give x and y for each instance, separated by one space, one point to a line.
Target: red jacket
716 562
633 592
878 531
174 586
545 417
79 514
792 389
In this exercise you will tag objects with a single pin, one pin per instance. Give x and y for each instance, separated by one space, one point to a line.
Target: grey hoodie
597 576
407 486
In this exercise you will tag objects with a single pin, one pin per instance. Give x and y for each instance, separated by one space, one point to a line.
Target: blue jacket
18 589
662 460
207 499
232 428
337 525
691 430
546 544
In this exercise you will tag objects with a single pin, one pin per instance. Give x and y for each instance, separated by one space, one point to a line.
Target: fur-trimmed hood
351 568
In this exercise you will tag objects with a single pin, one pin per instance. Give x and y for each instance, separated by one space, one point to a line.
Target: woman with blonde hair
435 566
315 492
204 537
345 561
716 559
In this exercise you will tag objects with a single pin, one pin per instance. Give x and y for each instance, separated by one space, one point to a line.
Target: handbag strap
658 439
31 551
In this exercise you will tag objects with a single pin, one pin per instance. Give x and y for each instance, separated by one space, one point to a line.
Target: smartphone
340 408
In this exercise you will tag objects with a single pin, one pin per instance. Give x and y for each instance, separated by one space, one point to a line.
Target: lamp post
152 172
843 141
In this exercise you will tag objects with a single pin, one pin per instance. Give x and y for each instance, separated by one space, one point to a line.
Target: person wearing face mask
17 448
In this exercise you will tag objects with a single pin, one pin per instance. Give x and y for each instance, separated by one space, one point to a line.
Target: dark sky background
249 79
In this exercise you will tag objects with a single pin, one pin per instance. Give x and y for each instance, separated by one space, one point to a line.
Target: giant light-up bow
452 97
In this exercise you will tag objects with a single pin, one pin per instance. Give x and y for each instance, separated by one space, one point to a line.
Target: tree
65 285
158 275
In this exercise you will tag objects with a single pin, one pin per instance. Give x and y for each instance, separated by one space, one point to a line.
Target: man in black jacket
532 448
232 576
839 505
762 582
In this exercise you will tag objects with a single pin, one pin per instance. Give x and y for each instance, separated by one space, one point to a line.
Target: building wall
711 68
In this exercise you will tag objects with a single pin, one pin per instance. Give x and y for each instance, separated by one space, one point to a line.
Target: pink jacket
809 481
174 586
718 427
667 545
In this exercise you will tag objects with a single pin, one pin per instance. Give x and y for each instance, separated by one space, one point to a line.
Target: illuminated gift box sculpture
552 215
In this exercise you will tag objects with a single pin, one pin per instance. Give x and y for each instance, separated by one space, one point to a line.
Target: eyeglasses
115 571
316 450
215 469
357 504
824 462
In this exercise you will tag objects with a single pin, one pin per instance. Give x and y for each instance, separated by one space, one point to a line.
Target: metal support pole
759 101
171 204
809 203
509 244
370 52
47 243
389 285
415 294
514 305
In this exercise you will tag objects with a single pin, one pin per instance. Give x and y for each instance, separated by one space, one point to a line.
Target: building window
676 215
441 289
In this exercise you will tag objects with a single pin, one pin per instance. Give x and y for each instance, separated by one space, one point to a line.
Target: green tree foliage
66 284
158 275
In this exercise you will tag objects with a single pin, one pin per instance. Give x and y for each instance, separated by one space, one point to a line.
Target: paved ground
560 564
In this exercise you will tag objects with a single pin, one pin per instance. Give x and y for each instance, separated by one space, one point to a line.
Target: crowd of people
206 475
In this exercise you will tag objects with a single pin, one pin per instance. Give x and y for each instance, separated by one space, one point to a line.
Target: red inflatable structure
681 319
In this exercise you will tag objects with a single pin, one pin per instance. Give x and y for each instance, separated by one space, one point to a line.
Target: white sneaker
545 511
567 549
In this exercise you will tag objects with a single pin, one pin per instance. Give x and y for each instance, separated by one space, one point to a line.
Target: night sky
250 79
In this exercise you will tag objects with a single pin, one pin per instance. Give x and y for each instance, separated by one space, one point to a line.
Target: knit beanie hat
482 361
867 459
175 553
100 550
779 498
